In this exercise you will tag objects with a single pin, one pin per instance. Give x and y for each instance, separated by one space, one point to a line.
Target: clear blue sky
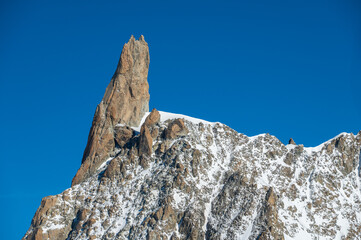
289 68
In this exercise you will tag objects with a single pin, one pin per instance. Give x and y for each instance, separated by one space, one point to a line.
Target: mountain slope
177 177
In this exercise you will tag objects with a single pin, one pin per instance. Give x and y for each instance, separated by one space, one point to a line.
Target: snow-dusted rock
171 176
215 183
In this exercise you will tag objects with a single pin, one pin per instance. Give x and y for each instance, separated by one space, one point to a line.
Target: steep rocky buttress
159 175
125 101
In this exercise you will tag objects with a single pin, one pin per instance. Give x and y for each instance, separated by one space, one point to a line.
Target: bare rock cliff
125 101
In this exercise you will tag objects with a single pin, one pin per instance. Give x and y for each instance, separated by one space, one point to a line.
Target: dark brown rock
144 162
154 133
145 141
152 118
269 216
176 128
161 148
168 212
38 234
47 206
83 214
158 215
190 226
291 141
123 134
125 102
347 161
113 169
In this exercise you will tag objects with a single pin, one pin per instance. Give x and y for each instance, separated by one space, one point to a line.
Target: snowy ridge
215 183
319 147
164 116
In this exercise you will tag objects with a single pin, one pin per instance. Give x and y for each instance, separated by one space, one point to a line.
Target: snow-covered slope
206 181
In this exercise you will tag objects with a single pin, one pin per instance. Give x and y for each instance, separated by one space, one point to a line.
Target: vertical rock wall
125 101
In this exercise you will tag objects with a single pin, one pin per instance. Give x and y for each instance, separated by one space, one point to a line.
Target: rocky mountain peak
291 141
160 175
125 101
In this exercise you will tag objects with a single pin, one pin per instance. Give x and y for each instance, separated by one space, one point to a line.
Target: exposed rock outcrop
145 141
125 101
291 141
152 118
145 147
49 209
272 228
122 135
114 168
175 128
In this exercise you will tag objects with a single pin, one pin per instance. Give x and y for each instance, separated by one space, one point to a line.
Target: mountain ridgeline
159 175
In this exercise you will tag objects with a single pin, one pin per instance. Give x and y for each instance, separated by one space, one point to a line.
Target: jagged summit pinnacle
291 141
132 38
125 101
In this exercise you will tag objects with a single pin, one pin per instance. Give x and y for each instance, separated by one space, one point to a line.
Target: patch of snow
318 148
52 226
164 116
137 129
257 136
290 146
105 163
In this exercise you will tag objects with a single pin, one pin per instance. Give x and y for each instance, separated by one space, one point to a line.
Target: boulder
175 128
291 141
145 141
122 134
152 118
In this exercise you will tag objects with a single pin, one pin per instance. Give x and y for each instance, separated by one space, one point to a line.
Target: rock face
176 177
125 101
291 141
175 128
